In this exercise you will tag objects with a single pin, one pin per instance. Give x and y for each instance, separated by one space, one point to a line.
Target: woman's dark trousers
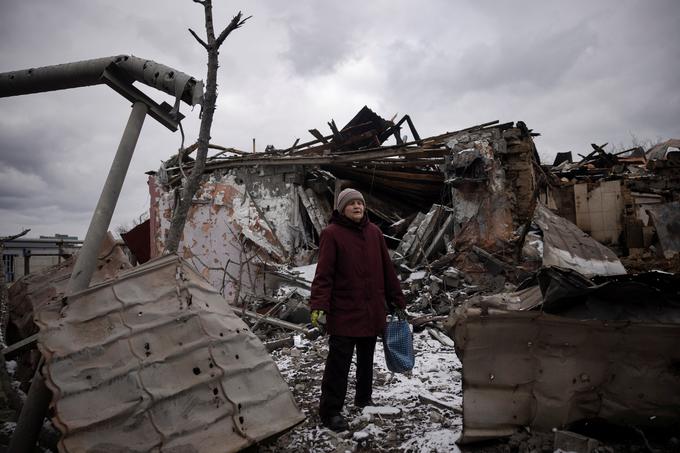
334 384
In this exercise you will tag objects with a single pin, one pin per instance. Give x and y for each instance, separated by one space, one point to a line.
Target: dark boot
335 423
365 403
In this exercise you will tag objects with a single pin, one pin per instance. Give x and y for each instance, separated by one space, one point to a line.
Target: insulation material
156 360
544 371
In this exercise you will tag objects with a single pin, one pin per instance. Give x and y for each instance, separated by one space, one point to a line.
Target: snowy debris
11 366
415 276
442 440
381 410
399 421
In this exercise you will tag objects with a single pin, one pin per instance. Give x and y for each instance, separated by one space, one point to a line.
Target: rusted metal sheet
565 245
545 371
156 360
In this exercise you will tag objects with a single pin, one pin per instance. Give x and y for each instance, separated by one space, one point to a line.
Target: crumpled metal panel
659 151
565 245
666 219
544 371
156 360
44 290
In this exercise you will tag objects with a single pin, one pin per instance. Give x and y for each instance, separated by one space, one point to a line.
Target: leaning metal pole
99 225
119 73
38 399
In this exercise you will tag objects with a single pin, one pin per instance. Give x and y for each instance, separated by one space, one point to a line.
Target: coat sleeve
393 293
322 286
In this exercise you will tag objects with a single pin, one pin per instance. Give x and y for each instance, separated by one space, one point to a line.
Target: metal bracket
119 82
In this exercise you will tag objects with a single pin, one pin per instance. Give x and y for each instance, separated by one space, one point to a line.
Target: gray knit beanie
346 196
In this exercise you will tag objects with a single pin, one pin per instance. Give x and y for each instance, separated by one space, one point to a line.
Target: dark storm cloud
578 72
321 38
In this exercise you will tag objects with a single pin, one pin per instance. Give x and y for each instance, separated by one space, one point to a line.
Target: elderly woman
354 280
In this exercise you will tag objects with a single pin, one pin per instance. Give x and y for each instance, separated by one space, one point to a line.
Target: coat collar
341 220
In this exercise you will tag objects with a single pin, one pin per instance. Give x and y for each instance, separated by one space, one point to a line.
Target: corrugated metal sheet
544 371
156 360
565 245
43 290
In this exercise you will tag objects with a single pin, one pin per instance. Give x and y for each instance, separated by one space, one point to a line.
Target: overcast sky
578 72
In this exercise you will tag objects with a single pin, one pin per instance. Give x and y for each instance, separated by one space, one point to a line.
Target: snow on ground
400 422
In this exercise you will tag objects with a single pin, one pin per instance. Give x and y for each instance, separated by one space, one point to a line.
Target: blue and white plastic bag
398 345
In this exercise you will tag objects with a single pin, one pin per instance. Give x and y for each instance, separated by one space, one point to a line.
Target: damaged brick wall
240 219
492 181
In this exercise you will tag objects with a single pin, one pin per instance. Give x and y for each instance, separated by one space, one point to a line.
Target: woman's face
354 210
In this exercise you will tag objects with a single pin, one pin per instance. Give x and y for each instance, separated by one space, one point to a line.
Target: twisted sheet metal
156 360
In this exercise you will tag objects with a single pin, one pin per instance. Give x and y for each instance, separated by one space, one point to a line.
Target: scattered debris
516 267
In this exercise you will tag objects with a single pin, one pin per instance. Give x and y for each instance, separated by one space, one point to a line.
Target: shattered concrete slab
157 360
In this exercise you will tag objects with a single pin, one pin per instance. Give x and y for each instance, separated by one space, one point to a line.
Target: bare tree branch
198 38
191 184
235 23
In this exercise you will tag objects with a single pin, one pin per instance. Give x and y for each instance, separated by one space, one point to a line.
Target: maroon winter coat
354 278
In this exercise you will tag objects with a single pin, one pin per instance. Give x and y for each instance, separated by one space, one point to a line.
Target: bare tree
4 297
191 183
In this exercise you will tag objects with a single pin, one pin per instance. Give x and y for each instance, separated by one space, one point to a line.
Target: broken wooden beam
279 323
20 346
441 337
317 135
287 342
426 399
313 211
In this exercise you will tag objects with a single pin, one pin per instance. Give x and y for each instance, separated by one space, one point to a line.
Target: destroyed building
475 212
526 262
256 211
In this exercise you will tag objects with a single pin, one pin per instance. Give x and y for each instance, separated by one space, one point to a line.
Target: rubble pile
533 290
471 216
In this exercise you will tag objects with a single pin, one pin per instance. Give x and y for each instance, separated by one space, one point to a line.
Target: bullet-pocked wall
241 219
